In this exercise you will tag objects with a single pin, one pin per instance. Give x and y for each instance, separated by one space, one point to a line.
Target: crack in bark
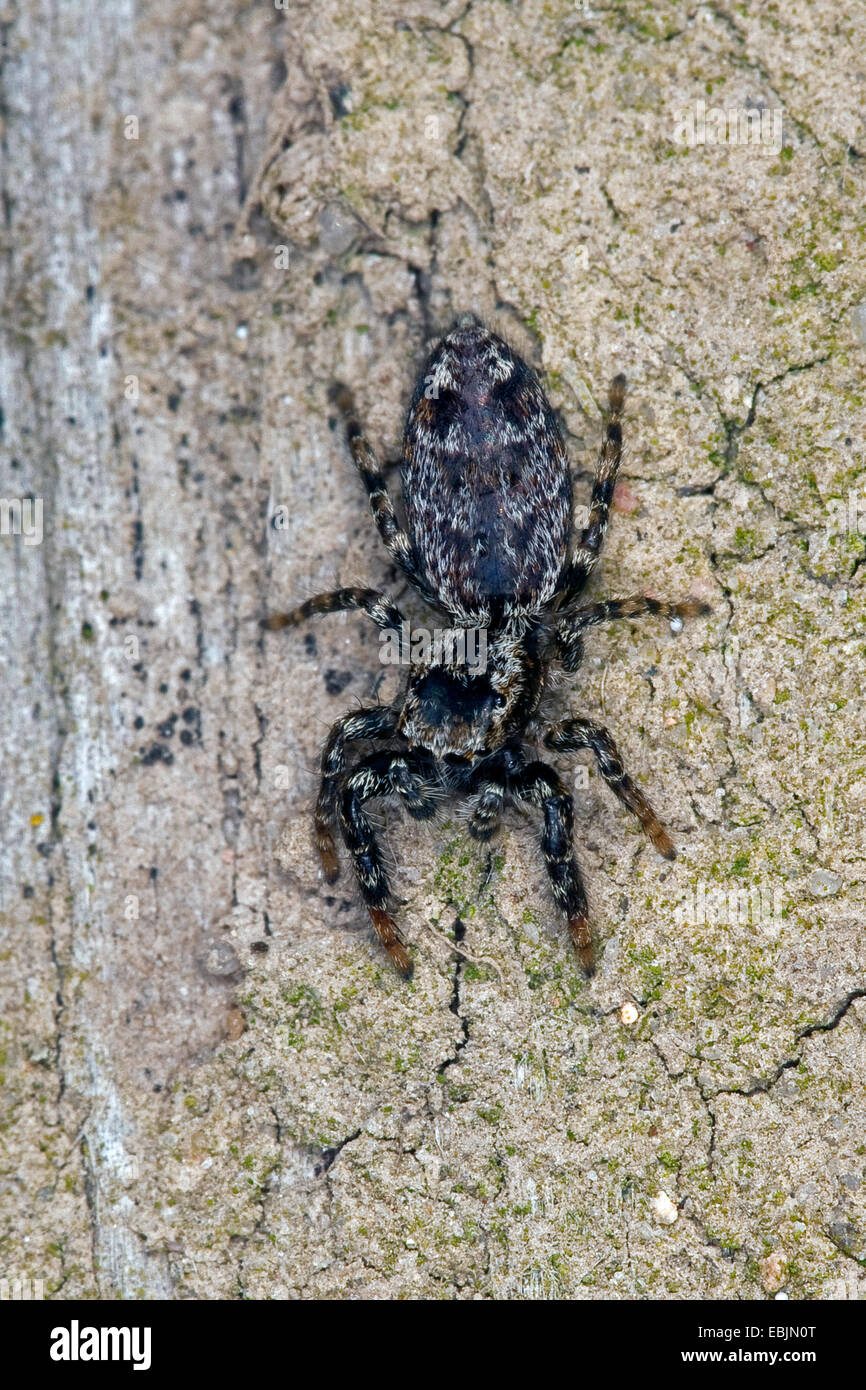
760 1086
454 1004
330 1156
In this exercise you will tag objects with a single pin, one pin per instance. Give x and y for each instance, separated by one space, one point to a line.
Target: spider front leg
539 784
573 734
374 723
489 788
364 724
378 775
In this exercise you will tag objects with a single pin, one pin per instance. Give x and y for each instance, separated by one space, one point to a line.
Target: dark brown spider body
488 497
486 480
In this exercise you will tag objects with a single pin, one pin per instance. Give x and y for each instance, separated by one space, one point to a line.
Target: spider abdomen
485 478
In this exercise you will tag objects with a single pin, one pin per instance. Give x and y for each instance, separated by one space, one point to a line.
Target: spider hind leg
393 536
588 549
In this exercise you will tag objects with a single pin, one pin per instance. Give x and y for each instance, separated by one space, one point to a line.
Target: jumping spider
488 498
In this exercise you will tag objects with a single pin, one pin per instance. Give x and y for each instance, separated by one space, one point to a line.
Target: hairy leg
379 775
369 779
376 605
395 539
569 646
569 629
413 779
488 787
490 800
588 548
378 722
573 734
540 785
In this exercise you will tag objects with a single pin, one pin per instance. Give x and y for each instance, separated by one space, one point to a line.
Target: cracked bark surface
213 1085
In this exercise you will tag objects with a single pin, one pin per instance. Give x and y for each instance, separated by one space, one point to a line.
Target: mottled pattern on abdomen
485 478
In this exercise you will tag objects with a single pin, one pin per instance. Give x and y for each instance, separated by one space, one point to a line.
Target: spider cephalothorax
488 497
453 709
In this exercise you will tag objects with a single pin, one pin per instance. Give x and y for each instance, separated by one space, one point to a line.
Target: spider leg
588 548
540 785
568 631
376 605
573 734
489 787
394 538
413 780
373 777
569 646
486 814
377 722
